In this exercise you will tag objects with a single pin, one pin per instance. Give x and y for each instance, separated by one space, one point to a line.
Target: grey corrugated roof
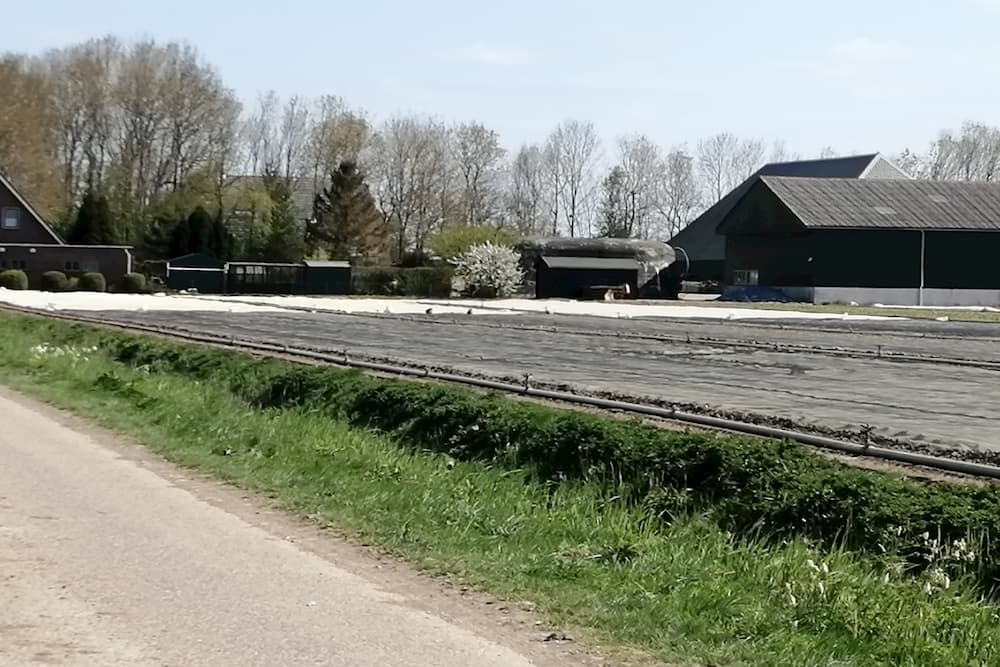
888 204
700 240
323 264
620 263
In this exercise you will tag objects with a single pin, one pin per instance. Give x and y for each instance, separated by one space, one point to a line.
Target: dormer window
10 218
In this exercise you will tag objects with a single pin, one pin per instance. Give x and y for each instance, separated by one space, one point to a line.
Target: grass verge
678 586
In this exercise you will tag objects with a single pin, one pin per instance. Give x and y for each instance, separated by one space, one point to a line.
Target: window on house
745 277
10 218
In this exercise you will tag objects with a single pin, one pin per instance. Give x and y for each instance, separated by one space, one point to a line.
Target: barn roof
613 263
700 240
878 204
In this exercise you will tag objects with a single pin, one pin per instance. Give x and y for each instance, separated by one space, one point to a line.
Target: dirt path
111 557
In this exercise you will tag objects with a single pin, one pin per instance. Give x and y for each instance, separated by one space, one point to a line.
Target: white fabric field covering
94 301
675 309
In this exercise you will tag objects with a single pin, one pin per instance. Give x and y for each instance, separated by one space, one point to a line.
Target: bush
14 279
54 281
490 270
424 281
133 283
92 282
73 284
455 241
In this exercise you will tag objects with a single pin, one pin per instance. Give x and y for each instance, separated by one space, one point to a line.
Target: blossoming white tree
490 269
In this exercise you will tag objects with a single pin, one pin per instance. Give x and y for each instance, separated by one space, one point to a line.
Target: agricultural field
827 371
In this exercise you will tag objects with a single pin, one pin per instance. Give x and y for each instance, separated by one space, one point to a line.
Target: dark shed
198 271
332 277
571 277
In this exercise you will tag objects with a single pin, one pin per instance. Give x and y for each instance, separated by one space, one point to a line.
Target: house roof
878 204
31 210
700 240
613 263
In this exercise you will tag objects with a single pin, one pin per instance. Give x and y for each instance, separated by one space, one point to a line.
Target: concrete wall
907 296
904 296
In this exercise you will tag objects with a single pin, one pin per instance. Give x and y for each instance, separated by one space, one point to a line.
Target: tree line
125 142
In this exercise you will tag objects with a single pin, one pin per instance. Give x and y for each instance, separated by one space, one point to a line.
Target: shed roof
612 263
197 260
878 204
326 264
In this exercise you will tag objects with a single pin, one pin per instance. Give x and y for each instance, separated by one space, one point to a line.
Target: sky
855 75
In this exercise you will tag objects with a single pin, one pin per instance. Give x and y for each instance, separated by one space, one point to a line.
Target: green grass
683 590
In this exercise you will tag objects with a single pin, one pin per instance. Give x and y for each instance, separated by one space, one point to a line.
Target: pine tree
105 230
219 240
348 223
285 239
616 218
180 239
85 225
200 232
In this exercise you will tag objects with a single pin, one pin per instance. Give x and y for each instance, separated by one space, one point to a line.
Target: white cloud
490 54
870 51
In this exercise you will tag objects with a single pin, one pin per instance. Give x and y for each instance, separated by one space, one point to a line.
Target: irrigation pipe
344 359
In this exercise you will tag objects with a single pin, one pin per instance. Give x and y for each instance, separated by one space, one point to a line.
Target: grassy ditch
632 532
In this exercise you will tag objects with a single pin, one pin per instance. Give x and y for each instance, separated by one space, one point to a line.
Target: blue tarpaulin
755 294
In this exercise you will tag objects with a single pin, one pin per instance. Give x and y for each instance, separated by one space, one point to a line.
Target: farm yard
811 369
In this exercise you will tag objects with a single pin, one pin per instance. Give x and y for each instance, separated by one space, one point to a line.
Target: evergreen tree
285 239
85 225
219 241
105 230
201 231
180 239
348 223
616 213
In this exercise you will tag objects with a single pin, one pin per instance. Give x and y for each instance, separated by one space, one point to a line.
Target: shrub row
57 281
773 489
422 281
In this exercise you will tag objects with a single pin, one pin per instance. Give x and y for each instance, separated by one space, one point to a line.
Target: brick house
30 244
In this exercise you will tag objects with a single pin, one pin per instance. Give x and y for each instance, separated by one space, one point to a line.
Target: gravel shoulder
110 556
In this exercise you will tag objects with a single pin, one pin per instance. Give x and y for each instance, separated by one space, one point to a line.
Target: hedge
54 281
423 281
764 488
92 282
14 279
132 283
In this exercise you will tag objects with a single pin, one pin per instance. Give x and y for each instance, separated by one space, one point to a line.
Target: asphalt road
947 406
111 557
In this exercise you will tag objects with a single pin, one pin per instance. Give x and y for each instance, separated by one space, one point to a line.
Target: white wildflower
812 565
885 577
825 568
822 589
792 600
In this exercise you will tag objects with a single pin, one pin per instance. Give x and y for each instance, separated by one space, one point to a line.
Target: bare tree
680 198
479 159
525 199
572 152
642 164
410 171
725 161
338 134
